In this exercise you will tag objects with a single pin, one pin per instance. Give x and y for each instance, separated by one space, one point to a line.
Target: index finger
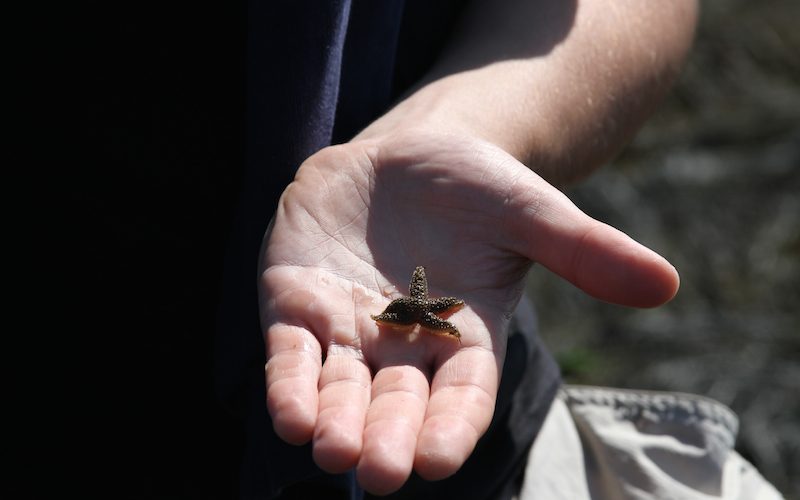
460 409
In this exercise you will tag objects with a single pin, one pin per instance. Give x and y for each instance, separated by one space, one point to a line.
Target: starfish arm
437 325
445 304
392 319
385 317
418 289
403 311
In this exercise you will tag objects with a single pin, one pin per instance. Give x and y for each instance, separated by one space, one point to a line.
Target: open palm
348 233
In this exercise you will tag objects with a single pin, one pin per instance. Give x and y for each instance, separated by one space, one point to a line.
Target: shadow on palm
441 204
369 217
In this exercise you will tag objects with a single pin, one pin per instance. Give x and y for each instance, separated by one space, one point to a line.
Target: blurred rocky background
713 184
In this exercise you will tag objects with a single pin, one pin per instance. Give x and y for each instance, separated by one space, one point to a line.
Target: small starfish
419 309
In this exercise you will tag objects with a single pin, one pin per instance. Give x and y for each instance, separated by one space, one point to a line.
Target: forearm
560 86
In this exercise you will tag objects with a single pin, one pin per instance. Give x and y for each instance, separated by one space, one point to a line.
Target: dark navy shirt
318 72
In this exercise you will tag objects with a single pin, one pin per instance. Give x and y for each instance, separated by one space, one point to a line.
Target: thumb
602 261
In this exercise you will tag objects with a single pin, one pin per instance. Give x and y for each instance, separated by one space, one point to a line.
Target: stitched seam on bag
633 404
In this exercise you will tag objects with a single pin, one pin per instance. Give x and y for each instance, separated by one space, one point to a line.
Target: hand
348 233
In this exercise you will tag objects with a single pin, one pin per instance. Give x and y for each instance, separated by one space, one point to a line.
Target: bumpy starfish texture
419 309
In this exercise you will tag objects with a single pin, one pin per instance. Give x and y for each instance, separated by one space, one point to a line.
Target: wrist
430 109
461 105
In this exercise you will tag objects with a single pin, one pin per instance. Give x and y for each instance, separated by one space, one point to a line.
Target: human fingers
295 307
599 259
399 398
344 395
463 394
292 371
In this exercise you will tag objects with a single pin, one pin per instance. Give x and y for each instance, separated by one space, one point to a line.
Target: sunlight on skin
387 401
439 181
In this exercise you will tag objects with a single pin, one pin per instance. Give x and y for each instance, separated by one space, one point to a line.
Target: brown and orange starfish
419 309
